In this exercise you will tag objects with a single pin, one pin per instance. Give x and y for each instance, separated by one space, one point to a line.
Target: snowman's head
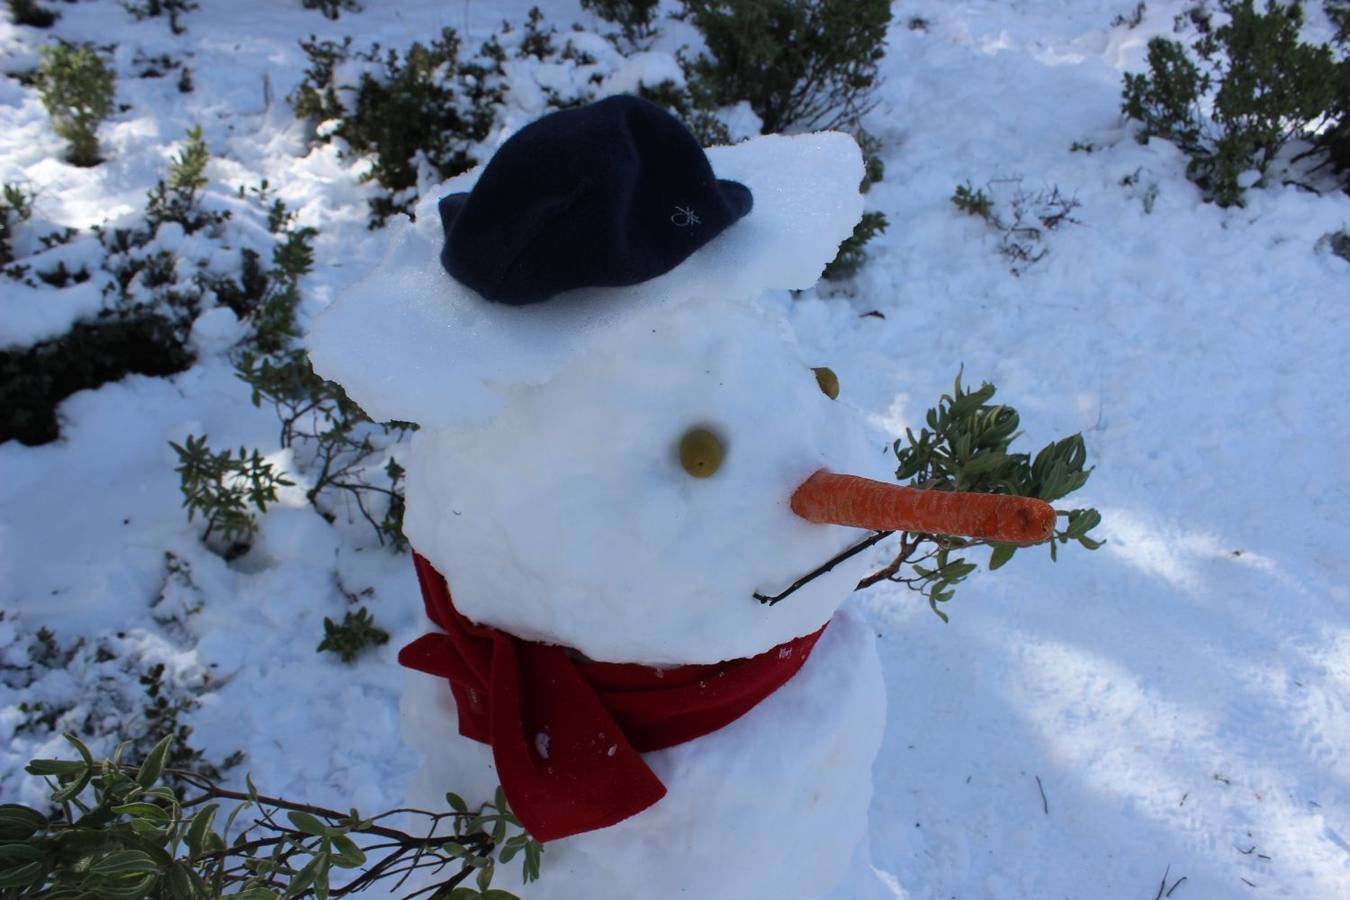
616 469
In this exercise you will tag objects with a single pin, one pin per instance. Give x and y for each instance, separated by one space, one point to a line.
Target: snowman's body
546 486
772 806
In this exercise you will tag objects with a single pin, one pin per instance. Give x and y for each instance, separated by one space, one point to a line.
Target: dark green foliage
966 447
16 205
177 198
35 380
425 103
851 254
973 201
225 488
77 88
119 831
801 64
30 13
356 632
1134 19
1265 87
636 18
147 9
332 9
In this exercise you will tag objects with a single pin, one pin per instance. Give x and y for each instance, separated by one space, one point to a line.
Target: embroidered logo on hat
585 197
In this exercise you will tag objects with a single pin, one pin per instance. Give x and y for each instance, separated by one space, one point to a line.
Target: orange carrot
829 498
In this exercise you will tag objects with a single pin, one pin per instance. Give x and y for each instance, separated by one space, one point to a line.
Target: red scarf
567 736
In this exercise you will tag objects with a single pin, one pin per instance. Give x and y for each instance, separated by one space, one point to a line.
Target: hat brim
409 342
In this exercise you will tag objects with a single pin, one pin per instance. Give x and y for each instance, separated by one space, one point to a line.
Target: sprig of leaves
966 447
118 833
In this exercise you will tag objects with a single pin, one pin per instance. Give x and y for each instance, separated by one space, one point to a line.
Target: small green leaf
23 876
153 767
307 823
348 855
1002 553
142 810
485 876
201 824
456 802
123 862
19 823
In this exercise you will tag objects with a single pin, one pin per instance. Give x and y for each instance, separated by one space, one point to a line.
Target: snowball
216 330
408 342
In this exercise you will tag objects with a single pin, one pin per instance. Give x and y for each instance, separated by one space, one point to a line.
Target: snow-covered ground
1175 702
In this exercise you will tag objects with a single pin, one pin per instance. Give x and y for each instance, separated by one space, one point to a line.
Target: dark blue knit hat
605 195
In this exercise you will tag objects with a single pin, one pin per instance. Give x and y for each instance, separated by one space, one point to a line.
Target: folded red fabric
567 736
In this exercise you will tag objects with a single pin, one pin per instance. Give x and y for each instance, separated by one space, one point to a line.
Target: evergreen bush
77 88
171 9
356 632
30 13
636 18
1263 86
16 205
802 64
332 9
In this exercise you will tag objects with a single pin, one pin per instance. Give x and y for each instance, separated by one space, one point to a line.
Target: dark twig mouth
820 570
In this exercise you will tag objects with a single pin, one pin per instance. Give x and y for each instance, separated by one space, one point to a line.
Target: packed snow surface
1171 706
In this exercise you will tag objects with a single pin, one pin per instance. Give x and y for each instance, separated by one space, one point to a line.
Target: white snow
1180 696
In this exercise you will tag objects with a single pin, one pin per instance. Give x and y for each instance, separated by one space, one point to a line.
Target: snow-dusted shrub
423 107
224 488
852 254
348 638
1237 96
426 111
171 9
16 205
30 13
157 275
1335 139
636 18
77 88
144 829
801 64
332 9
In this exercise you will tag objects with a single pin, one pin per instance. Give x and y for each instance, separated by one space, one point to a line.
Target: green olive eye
700 452
828 381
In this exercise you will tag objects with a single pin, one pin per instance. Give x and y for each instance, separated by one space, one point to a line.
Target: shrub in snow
636 18
332 9
851 252
16 205
77 88
353 634
802 64
424 107
225 488
1022 219
30 13
172 9
147 829
1237 96
1335 139
156 275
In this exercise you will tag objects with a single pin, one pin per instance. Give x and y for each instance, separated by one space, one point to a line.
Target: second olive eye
828 381
701 452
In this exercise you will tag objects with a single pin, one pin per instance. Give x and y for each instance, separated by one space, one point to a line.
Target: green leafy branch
118 833
965 447
222 486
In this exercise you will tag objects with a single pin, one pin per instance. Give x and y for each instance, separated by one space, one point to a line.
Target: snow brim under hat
408 342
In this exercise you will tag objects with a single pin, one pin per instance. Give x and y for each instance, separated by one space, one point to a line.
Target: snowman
623 454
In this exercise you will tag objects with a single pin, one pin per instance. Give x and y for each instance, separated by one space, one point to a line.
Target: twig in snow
1045 804
1163 889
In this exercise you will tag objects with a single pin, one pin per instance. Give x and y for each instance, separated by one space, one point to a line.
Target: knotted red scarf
567 736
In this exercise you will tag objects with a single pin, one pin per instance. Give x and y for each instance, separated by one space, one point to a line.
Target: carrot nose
829 498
